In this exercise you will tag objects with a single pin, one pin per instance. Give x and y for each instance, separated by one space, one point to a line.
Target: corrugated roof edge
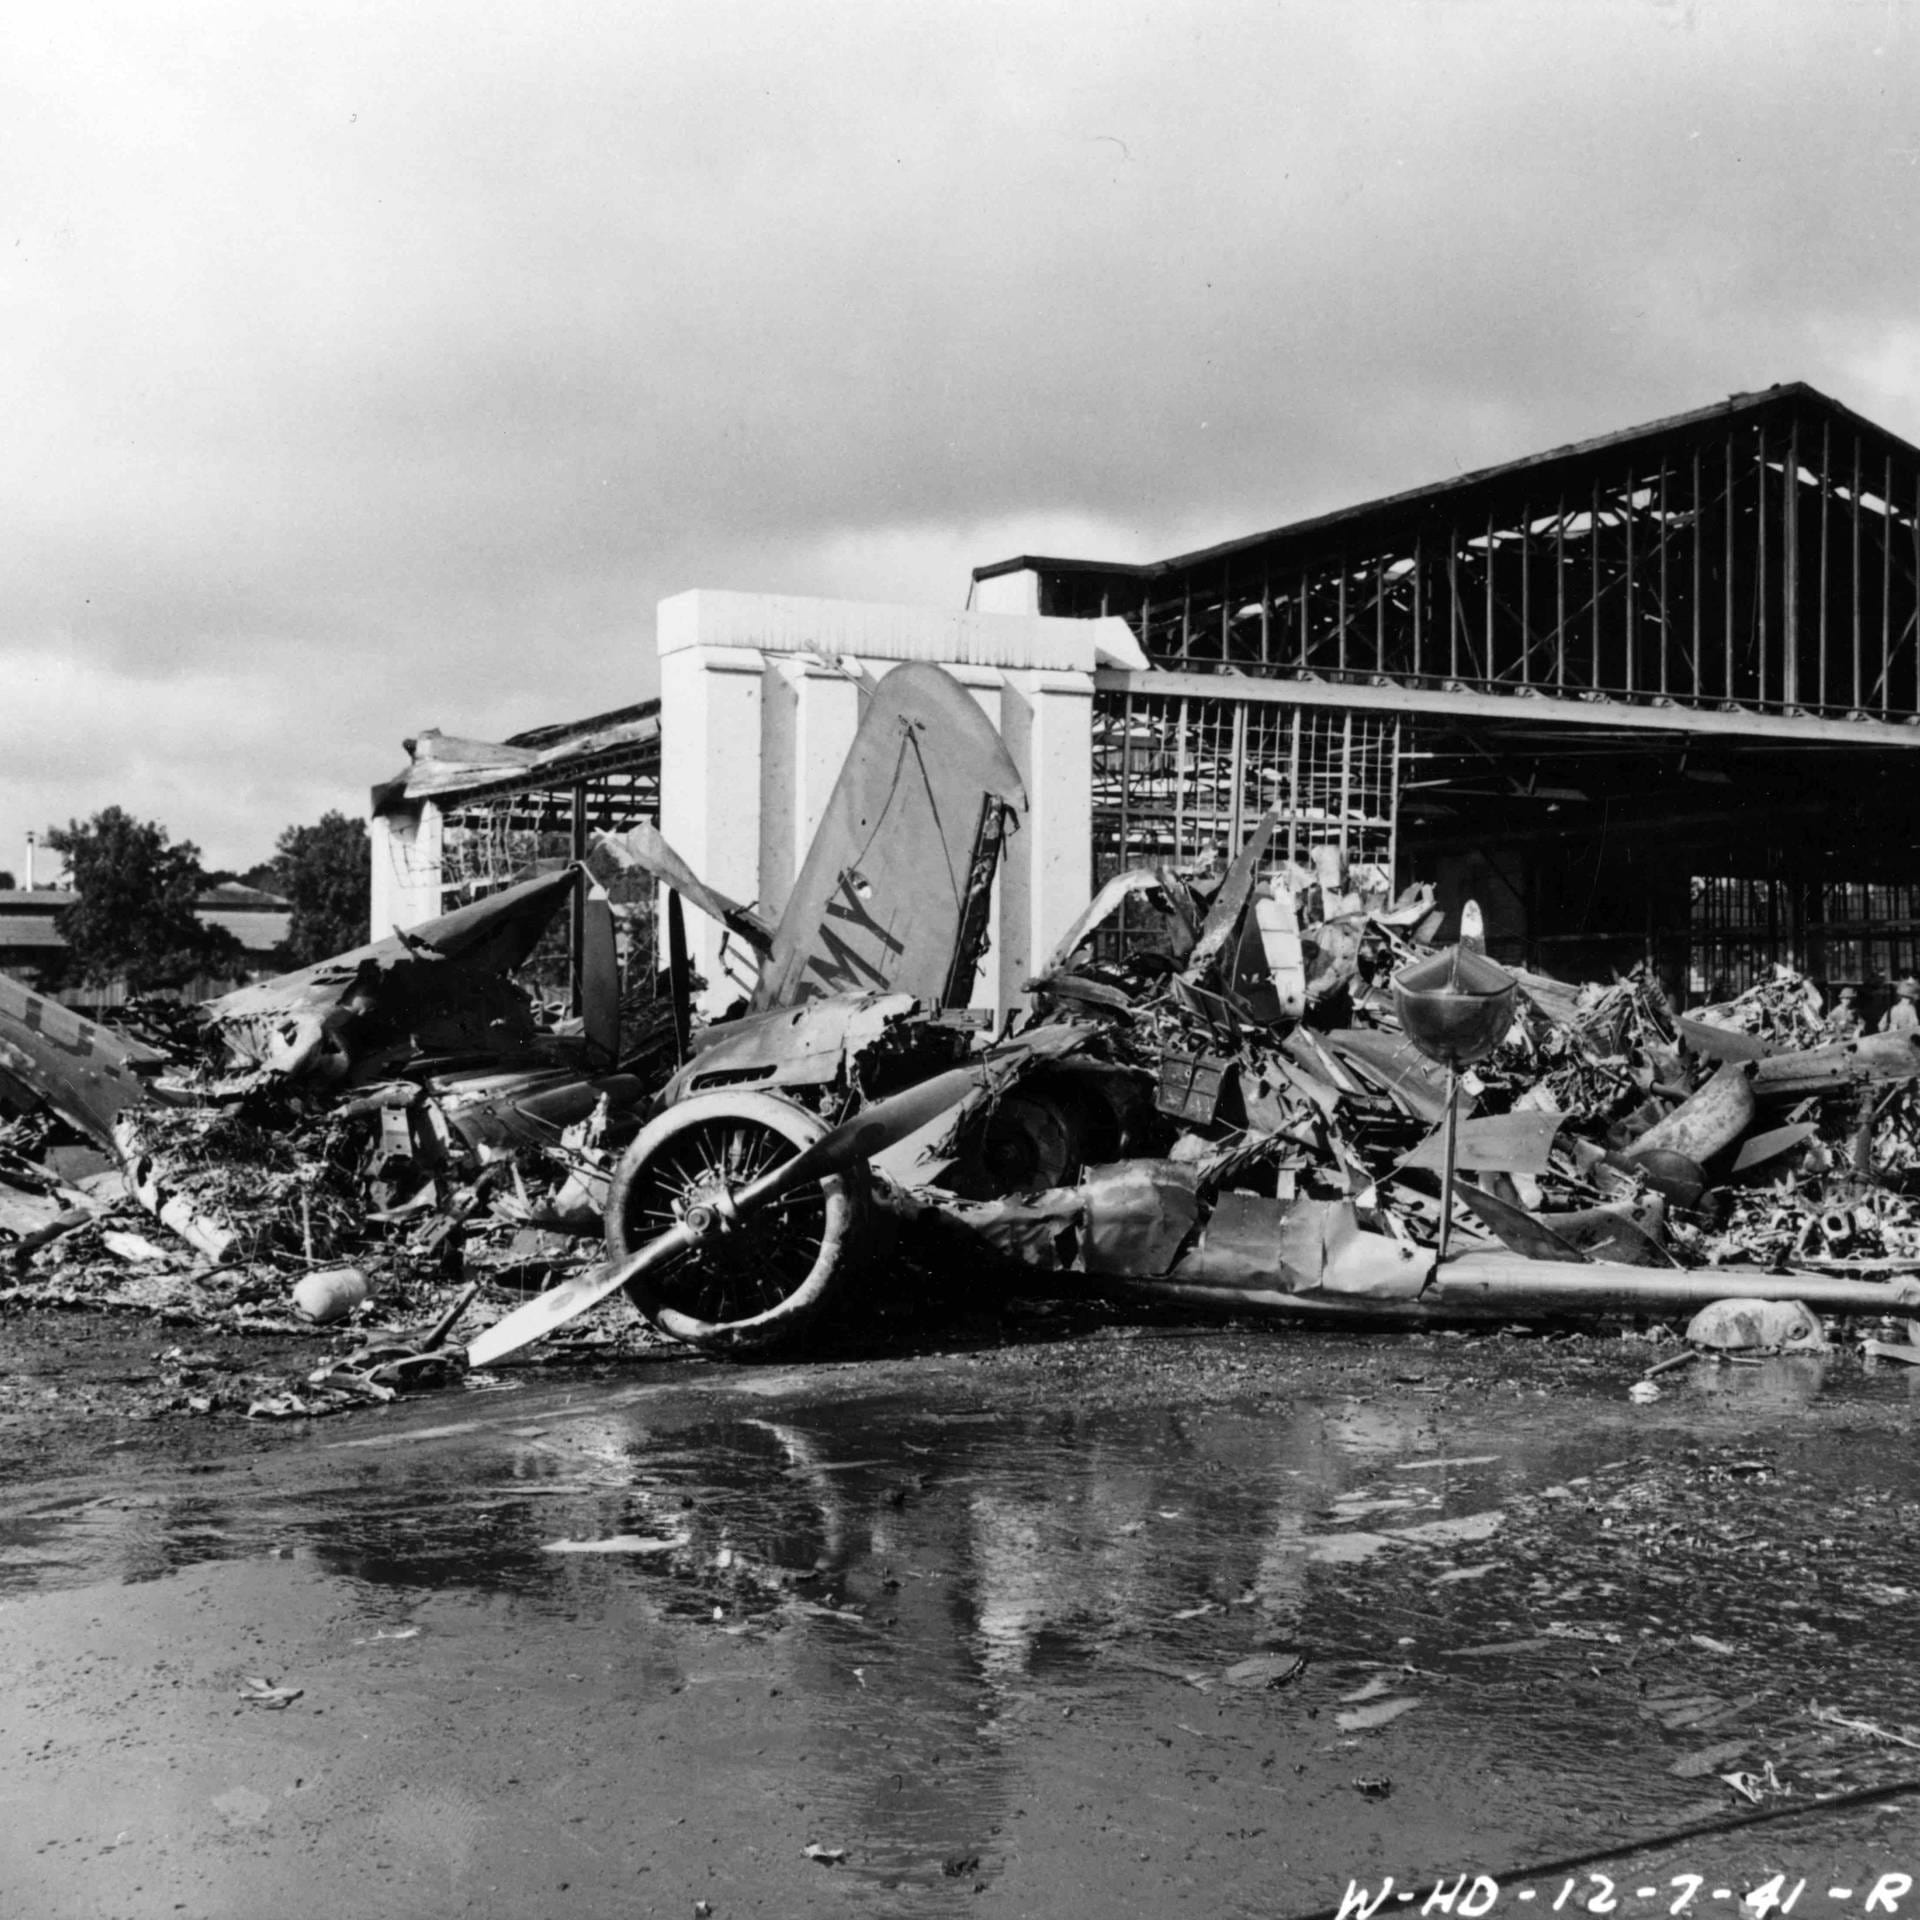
1789 394
547 765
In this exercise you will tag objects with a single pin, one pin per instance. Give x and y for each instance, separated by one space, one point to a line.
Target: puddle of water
960 1596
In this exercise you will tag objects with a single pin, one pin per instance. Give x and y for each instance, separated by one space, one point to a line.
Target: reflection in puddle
1779 1383
959 1596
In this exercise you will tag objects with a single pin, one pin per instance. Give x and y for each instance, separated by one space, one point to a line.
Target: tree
134 919
7 881
323 870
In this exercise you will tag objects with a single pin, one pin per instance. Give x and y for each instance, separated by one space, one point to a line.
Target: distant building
259 920
30 940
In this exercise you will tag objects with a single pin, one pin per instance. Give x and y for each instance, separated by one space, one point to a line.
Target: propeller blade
437 1333
554 1308
857 1139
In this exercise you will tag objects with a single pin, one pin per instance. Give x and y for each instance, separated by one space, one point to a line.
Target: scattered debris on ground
1216 1098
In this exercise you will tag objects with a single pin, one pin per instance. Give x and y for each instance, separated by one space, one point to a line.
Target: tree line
134 918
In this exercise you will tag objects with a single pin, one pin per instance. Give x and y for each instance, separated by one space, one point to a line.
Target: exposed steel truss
1762 555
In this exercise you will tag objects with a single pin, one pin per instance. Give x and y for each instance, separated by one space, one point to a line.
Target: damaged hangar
1656 694
1652 695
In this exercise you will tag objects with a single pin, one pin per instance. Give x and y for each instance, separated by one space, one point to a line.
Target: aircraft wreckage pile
1218 1096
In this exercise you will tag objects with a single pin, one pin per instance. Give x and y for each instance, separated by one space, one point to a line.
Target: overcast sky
370 368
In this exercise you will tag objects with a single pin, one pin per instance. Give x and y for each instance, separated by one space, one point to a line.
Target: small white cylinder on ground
330 1293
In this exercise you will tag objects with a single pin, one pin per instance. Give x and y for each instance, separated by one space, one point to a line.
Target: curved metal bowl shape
1455 1007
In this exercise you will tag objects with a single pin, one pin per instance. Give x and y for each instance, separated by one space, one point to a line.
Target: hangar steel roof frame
1749 562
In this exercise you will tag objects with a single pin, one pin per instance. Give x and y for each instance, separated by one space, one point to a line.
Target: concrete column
1009 908
778 863
406 864
710 785
813 711
1046 719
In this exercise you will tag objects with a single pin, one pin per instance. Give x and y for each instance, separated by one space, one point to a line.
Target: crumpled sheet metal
1136 1221
1138 1214
447 763
1271 944
1713 1116
442 983
1332 1098
1493 1143
1784 1013
1594 1097
1135 882
643 846
1300 1246
1877 1059
1517 1228
1405 1072
500 1107
1229 903
1623 1230
1759 1148
1632 1232
805 1045
1555 999
23 1214
1714 1042
1038 1230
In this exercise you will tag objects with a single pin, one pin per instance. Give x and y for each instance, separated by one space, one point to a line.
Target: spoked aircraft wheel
754 1278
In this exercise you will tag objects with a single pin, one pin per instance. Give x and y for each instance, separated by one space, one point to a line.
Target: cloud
82 736
379 367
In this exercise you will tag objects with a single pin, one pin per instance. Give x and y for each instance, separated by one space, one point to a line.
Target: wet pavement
1144 1620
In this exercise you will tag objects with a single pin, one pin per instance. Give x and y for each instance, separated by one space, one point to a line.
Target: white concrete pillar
1046 719
405 849
777 862
710 786
1008 910
813 711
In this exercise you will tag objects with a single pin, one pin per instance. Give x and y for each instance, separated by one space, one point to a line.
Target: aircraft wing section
894 886
88 1074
